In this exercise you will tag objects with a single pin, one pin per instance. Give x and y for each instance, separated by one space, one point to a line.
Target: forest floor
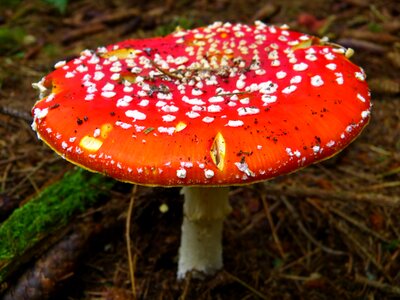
330 231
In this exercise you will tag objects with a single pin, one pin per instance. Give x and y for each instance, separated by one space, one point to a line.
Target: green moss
49 211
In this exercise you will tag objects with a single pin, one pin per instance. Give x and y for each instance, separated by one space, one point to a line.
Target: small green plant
61 5
181 22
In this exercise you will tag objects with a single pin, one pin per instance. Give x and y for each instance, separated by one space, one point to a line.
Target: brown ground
333 230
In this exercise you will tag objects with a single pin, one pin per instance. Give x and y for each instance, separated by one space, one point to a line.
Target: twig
82 32
33 171
272 225
362 45
299 260
131 261
165 72
16 113
307 234
249 287
384 185
298 191
356 223
343 228
185 291
12 159
378 285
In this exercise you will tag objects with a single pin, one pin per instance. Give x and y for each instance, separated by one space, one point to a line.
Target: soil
330 231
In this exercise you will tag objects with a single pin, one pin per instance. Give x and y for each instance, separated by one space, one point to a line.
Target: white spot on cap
108 94
181 60
216 99
139 129
169 130
360 76
300 67
267 87
144 102
197 92
98 75
82 69
168 118
108 87
365 114
94 60
234 123
242 111
295 79
339 78
245 100
60 64
208 119
360 97
123 125
289 89
128 89
243 167
40 113
135 114
69 75
181 173
50 97
39 86
289 151
240 84
193 114
208 173
96 132
316 81
316 148
331 66
115 76
186 164
329 56
195 101
169 108
214 108
330 143
281 74
275 63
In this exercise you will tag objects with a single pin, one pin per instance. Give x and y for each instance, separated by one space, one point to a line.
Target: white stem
201 243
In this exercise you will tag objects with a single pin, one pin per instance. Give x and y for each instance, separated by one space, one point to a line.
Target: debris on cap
219 105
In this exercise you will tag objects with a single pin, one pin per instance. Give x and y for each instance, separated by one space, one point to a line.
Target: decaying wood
42 279
37 225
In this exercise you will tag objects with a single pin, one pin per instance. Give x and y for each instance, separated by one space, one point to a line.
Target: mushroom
227 104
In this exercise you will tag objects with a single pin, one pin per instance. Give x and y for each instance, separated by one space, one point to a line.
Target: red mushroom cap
220 105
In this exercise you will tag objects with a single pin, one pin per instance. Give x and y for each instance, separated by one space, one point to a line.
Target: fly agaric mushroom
222 105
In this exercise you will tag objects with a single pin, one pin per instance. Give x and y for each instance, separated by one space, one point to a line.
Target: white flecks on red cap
265 90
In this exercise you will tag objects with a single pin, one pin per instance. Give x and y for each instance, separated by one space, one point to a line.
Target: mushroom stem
201 243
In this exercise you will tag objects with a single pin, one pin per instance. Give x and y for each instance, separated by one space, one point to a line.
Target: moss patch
49 211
